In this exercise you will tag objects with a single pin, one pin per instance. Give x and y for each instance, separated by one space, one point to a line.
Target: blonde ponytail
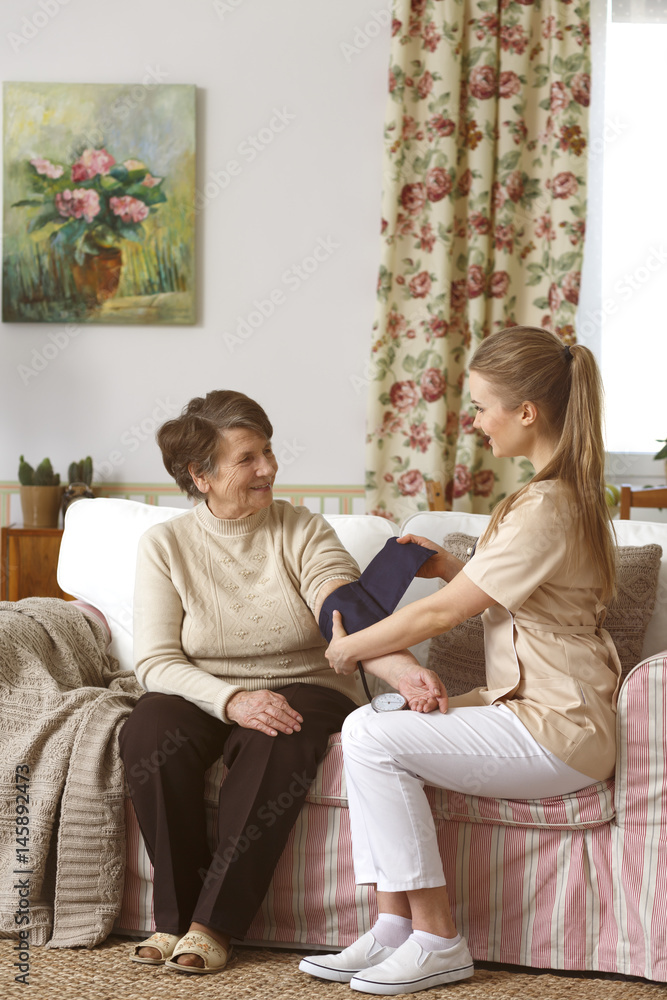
527 364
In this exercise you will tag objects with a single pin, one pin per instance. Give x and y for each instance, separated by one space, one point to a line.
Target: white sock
431 942
390 930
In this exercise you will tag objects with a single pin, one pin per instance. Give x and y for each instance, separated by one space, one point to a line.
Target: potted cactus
80 475
41 494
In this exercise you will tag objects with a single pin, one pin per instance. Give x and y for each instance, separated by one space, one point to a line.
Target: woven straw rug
263 974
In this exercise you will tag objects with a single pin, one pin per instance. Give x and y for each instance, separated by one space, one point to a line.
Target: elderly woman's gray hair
194 437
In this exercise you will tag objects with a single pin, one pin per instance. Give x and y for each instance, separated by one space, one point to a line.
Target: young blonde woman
541 574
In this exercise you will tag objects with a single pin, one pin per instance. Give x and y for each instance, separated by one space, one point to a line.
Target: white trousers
389 757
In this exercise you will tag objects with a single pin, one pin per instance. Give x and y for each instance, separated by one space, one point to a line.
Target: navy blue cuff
378 590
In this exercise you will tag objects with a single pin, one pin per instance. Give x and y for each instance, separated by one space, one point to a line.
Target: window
623 309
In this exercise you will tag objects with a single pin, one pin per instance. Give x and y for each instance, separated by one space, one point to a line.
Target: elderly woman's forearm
390 666
177 676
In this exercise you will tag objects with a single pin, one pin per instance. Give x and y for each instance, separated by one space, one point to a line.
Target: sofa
575 882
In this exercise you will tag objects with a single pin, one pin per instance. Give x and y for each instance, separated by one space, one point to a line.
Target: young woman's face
243 482
505 429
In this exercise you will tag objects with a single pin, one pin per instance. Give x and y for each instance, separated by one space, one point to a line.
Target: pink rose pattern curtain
483 227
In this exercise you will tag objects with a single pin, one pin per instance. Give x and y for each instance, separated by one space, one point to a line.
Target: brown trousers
167 744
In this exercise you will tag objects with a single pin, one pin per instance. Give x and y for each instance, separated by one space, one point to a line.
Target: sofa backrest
99 549
436 524
99 546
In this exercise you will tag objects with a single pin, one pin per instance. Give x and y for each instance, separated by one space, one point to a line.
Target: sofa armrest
641 748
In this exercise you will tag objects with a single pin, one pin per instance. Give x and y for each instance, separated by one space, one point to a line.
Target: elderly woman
228 648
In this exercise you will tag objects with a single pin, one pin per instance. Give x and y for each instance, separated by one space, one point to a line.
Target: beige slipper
197 943
164 943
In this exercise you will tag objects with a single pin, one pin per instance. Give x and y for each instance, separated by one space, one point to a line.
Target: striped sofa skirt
574 882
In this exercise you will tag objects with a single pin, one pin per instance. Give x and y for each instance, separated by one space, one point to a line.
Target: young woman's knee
362 731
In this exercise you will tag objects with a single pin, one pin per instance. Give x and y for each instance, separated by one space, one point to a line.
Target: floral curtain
483 225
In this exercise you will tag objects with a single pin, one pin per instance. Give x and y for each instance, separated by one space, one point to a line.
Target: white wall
325 62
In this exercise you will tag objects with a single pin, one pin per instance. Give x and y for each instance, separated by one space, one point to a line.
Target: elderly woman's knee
155 725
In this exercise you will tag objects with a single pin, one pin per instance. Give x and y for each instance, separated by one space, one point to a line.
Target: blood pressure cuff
377 591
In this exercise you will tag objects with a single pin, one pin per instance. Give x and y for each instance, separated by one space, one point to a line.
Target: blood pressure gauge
391 701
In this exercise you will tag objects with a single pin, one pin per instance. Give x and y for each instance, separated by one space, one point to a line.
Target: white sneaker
410 969
364 953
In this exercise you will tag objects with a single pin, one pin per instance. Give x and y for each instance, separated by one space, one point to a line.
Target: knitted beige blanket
63 701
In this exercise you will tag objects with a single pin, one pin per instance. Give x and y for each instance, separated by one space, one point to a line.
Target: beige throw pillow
628 615
458 655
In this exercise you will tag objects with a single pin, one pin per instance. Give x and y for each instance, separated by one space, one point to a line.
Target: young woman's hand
433 568
336 652
423 690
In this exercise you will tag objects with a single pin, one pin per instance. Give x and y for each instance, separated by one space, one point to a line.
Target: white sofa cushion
97 560
99 550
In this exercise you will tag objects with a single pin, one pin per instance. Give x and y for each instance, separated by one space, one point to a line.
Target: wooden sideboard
28 563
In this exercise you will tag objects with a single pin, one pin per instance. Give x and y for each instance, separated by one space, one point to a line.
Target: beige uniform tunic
547 657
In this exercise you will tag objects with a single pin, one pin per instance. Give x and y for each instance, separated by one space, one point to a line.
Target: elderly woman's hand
336 650
422 689
267 711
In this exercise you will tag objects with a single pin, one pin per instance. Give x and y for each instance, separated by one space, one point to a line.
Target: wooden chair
649 496
435 495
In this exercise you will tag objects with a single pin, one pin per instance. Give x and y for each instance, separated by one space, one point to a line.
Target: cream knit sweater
223 606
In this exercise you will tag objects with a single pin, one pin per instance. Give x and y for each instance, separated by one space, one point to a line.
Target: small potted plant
41 494
80 476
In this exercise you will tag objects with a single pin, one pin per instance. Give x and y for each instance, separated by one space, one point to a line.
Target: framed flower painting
99 186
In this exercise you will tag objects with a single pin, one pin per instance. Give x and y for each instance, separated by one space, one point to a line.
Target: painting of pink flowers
98 221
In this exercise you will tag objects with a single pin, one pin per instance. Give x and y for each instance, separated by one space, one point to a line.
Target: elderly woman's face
243 483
